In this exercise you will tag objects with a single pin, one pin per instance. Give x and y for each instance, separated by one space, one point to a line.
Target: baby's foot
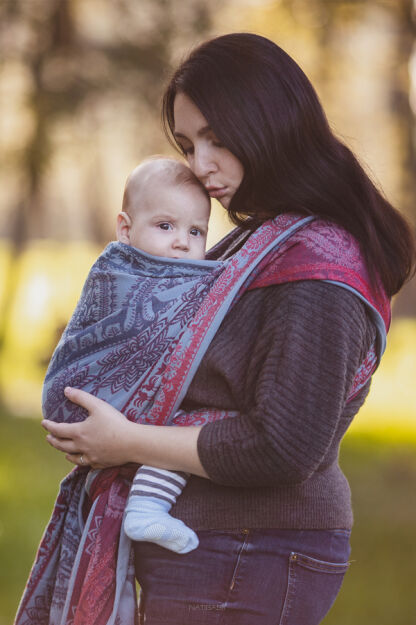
147 520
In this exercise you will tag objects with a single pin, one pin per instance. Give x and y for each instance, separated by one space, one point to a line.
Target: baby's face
171 221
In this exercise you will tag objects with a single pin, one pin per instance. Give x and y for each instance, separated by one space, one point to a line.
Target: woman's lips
217 192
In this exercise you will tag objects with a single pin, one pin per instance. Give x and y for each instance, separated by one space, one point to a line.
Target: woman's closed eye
217 143
186 149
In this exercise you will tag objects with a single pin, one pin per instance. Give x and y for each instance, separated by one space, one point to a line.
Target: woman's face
216 167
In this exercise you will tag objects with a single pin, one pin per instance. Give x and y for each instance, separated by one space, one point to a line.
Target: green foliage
378 588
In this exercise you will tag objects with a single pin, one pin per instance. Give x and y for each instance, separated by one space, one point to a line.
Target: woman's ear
123 227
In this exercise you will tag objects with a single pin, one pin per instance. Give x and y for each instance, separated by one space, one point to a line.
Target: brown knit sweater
284 357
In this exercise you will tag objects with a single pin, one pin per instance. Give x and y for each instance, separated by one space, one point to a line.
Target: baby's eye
196 232
165 225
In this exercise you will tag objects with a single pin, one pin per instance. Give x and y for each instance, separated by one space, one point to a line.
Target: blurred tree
326 18
75 52
405 118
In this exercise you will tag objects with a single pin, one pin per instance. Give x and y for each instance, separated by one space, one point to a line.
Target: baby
165 213
131 311
165 210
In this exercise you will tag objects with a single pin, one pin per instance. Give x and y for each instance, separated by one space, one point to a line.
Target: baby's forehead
163 174
150 190
162 171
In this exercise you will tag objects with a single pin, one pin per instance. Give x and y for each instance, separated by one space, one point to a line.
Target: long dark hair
263 108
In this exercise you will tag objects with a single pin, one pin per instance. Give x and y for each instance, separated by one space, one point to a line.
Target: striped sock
147 518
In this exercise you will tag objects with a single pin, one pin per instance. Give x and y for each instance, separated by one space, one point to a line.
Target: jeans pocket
311 589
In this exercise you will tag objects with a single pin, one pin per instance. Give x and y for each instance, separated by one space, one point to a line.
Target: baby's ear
123 227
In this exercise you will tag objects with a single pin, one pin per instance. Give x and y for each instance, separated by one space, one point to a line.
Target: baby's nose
182 241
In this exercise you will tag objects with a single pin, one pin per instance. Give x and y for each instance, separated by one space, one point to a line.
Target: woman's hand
106 439
102 440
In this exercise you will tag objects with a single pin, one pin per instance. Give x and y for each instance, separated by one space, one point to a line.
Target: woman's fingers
81 460
78 459
84 399
63 444
74 458
60 430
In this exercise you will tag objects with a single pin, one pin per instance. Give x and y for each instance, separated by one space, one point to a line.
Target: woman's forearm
172 448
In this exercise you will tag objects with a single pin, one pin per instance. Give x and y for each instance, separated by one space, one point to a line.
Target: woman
294 354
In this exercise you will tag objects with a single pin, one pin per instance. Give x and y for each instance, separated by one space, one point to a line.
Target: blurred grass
379 588
29 474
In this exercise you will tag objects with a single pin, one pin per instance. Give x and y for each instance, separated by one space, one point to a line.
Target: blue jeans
243 577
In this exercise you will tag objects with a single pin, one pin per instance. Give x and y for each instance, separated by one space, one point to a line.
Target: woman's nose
202 163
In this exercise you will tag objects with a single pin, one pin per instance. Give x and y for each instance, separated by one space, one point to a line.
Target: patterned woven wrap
136 338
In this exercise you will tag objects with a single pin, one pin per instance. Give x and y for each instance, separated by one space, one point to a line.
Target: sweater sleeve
312 338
